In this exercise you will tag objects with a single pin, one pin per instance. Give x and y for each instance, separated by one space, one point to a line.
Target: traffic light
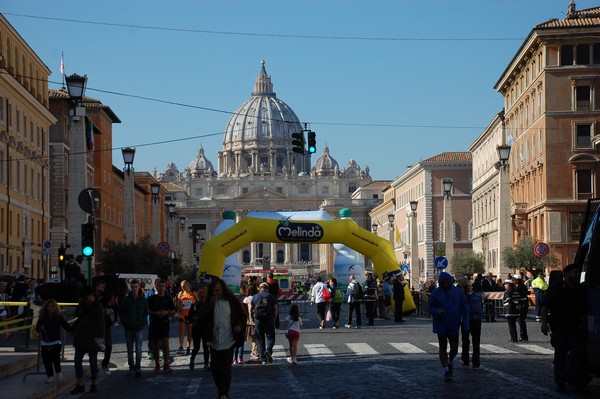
61 256
87 239
312 142
298 142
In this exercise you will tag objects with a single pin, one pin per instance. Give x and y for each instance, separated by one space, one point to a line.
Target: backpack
262 310
339 296
357 292
326 294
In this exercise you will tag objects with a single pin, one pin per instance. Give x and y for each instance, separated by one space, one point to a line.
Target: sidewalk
20 376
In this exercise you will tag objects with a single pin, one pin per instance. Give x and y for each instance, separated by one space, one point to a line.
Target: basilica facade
257 170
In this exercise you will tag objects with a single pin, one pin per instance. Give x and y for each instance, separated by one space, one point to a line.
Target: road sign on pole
163 248
440 262
541 249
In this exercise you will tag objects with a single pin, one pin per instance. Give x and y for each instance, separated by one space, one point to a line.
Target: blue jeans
132 336
79 364
264 329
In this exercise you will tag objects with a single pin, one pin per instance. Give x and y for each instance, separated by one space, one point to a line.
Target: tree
524 257
142 257
466 263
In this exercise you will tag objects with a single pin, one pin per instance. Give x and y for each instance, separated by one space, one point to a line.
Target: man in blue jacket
449 309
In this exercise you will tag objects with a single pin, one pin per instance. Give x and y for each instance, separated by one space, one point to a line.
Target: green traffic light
312 149
87 251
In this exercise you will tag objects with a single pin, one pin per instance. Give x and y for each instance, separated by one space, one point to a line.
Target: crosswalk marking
318 350
362 349
496 349
279 351
405 347
537 348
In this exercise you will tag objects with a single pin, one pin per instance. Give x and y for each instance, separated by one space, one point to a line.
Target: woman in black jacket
224 321
48 325
89 331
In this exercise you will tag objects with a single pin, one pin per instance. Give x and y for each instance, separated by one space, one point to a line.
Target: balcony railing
518 208
585 196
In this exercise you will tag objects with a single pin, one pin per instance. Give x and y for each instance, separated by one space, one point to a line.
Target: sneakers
269 356
59 376
290 361
357 327
447 375
180 351
78 389
187 352
240 361
167 369
150 356
93 388
105 370
347 325
50 379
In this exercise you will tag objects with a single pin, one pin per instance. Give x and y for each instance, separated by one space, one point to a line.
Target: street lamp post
171 209
448 226
79 163
128 196
391 228
156 233
504 228
414 246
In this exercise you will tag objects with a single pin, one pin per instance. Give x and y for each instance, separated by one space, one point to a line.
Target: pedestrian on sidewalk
133 314
264 308
224 319
370 297
293 324
449 308
48 325
355 295
472 291
398 291
318 297
197 329
89 334
250 333
185 299
160 308
512 302
335 304
109 320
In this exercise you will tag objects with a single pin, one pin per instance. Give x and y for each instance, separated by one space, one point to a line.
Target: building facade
257 170
492 228
552 110
413 235
24 163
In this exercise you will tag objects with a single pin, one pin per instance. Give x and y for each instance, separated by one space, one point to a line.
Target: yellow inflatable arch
345 231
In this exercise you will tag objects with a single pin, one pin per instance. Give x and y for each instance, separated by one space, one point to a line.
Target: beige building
257 170
24 161
413 235
551 102
492 229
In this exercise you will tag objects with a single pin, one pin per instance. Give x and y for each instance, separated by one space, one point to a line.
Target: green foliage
523 256
466 263
141 257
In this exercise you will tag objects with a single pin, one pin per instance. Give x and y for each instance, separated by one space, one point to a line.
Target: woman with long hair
224 320
293 324
48 325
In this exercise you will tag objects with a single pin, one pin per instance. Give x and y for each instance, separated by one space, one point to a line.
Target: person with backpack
335 305
264 310
355 295
320 296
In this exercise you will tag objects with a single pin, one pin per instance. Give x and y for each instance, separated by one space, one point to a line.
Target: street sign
404 268
440 262
47 247
439 248
541 249
163 248
89 200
